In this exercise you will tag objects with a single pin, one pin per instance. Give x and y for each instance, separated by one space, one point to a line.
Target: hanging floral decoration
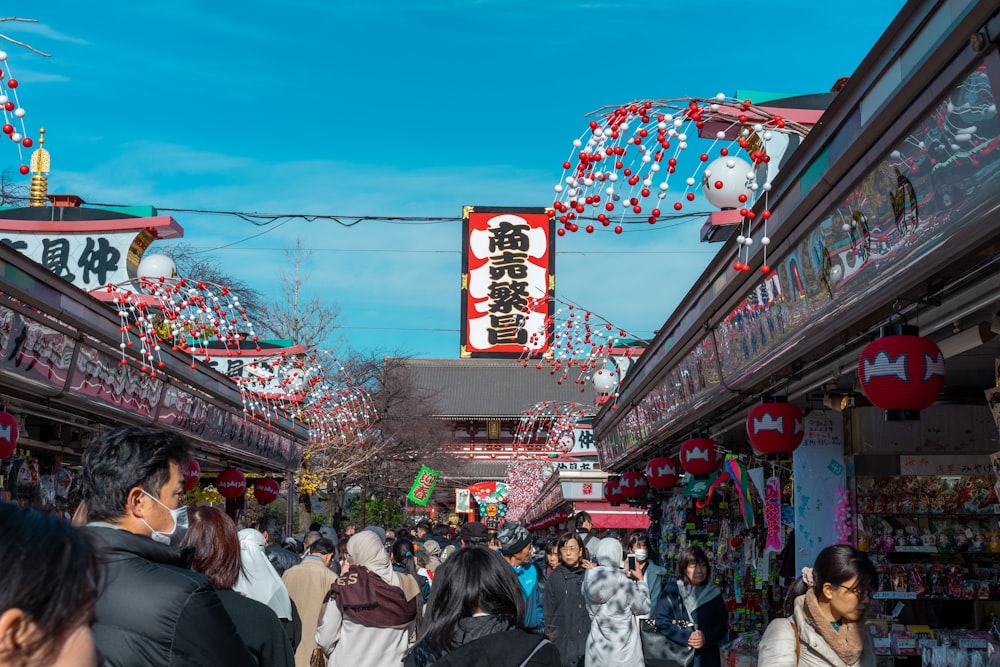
552 424
525 479
625 163
582 343
13 112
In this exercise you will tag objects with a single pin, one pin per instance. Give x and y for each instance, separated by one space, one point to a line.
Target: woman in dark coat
694 598
567 622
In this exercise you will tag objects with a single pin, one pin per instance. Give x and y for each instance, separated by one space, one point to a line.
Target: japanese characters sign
423 485
508 281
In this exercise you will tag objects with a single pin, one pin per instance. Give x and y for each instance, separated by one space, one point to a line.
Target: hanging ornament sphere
231 483
662 472
633 484
724 180
901 372
775 427
157 266
605 380
192 475
700 456
266 490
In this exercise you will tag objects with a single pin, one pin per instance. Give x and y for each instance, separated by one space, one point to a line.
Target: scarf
365 598
695 596
368 551
847 642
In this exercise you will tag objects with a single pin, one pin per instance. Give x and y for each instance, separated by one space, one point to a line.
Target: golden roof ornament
39 189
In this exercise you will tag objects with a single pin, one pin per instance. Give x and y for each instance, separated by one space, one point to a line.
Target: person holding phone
654 575
614 599
691 611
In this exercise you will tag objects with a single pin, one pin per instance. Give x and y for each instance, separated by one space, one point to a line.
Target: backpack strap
531 655
798 646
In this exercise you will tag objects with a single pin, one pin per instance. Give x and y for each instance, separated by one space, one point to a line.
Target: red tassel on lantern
266 490
901 372
231 483
775 427
662 472
613 493
700 456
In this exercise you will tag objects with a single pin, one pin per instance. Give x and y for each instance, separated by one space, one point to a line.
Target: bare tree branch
14 41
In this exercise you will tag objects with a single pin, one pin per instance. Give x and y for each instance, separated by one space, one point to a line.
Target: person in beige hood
825 611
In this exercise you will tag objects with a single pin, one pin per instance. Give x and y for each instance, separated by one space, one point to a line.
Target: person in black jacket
476 617
693 598
152 610
270 526
567 622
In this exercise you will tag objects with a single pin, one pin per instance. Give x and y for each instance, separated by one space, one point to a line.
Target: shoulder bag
658 650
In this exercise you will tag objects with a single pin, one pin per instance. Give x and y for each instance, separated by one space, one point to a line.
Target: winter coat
282 559
567 622
655 577
260 628
613 601
531 580
711 617
778 647
307 584
488 641
152 611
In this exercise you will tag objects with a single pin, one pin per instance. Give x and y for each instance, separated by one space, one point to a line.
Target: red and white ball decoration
552 423
700 456
525 479
192 475
775 427
901 372
8 434
613 493
662 473
633 484
266 490
231 483
13 112
622 165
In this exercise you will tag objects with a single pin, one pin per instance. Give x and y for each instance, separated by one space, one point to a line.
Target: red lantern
775 427
700 456
8 434
192 475
613 493
231 483
901 372
633 484
662 472
266 490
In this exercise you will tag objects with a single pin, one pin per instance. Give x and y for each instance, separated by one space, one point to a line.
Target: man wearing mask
152 610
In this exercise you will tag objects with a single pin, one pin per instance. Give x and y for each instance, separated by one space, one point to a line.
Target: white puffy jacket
778 645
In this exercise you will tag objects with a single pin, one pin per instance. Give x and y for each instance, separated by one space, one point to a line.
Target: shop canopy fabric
605 515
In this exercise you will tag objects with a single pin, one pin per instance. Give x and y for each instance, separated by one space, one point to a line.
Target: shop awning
606 515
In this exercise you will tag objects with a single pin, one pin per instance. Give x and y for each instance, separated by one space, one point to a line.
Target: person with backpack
825 610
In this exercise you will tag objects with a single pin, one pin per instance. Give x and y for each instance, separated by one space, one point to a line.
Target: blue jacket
528 577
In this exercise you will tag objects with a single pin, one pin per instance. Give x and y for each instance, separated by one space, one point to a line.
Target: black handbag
658 650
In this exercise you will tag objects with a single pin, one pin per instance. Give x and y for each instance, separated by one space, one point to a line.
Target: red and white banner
508 269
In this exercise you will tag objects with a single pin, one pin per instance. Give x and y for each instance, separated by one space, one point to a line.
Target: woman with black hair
691 611
404 562
825 610
476 616
654 575
49 591
567 622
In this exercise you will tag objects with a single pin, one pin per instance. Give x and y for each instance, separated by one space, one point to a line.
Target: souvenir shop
69 369
849 391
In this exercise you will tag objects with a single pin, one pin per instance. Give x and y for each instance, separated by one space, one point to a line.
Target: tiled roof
492 388
476 471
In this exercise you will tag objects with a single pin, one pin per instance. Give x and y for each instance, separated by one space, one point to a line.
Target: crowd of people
151 582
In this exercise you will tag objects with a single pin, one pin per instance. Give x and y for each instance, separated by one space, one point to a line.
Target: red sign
8 434
508 284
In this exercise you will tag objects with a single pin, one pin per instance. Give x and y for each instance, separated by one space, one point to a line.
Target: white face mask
641 554
176 534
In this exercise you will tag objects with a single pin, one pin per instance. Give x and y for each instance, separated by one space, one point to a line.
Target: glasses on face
569 549
697 566
860 593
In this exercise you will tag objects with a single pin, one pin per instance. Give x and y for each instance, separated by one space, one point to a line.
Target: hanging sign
772 514
423 485
462 497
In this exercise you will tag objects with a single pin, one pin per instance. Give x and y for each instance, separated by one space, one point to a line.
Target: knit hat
474 532
432 548
513 537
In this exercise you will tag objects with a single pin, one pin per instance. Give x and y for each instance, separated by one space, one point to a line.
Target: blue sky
365 108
